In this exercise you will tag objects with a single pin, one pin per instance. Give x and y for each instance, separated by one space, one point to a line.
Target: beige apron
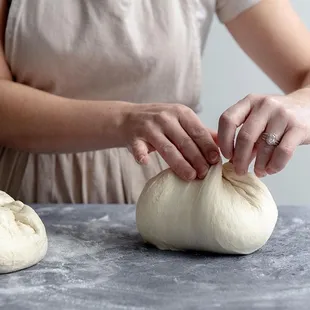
130 50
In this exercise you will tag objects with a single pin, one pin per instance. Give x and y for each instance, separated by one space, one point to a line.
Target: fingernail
214 156
141 160
190 175
261 174
270 171
202 174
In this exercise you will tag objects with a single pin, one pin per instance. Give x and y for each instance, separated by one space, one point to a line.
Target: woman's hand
178 135
287 118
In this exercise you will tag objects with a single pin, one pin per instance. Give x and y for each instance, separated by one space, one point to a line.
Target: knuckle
266 103
185 143
245 137
283 113
163 117
226 119
181 108
198 132
270 102
251 97
165 149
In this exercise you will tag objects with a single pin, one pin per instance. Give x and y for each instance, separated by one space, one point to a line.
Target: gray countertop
97 260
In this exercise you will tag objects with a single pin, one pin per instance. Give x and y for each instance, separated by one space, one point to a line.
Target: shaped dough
224 213
23 240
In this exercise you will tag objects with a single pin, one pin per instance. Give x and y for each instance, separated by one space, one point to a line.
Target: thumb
140 150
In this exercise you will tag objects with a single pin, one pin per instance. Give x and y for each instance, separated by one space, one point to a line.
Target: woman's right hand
176 133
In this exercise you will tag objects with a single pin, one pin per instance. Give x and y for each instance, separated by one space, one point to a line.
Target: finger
140 150
246 139
230 120
188 148
276 126
284 151
213 134
173 157
202 137
253 155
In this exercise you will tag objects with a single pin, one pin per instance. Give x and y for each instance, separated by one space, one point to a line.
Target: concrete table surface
97 260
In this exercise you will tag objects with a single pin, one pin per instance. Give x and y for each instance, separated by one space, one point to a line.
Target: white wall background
229 75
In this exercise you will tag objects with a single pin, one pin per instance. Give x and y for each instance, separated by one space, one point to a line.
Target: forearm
35 121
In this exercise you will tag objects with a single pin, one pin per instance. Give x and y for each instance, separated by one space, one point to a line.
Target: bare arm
273 35
35 121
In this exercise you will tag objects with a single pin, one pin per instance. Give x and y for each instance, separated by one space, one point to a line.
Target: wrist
130 120
302 95
118 126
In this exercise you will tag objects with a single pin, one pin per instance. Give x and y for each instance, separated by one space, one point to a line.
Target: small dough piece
5 198
23 240
224 213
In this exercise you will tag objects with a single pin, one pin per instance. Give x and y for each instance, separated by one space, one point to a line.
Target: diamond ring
270 139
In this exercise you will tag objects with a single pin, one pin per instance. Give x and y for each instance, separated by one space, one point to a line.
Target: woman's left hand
271 129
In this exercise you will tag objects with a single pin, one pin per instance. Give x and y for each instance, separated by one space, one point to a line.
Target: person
99 96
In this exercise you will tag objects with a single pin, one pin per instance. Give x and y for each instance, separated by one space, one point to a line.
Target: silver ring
270 139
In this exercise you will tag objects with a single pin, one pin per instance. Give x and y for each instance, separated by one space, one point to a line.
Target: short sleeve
227 10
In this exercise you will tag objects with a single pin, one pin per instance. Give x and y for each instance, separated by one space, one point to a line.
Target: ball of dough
224 213
23 240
